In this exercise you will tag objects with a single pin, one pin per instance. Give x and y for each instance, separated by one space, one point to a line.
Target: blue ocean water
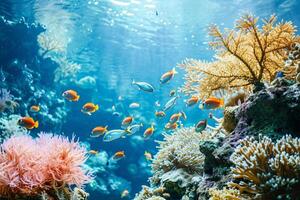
113 42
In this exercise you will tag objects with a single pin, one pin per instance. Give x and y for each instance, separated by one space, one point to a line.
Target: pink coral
31 166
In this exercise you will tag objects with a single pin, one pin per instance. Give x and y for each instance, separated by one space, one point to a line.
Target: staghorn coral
224 194
8 127
245 57
47 164
267 170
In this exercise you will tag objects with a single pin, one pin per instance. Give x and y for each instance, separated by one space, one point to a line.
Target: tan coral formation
224 194
148 193
265 170
245 56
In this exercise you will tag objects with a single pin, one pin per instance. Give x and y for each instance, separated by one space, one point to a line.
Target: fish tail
132 82
36 124
97 107
105 128
222 102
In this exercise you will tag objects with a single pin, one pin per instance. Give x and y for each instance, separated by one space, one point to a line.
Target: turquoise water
113 42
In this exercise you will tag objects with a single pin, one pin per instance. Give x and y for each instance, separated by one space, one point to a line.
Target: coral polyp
30 167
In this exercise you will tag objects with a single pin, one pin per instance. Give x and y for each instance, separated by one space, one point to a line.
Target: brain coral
179 151
267 170
34 166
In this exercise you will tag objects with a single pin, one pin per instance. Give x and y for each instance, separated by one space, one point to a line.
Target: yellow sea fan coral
265 170
245 56
224 194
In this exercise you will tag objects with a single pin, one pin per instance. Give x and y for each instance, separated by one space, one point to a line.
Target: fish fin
222 102
77 98
201 106
97 107
36 124
174 71
88 113
105 128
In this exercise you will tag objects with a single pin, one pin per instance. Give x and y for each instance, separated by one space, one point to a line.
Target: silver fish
134 128
171 103
113 135
143 86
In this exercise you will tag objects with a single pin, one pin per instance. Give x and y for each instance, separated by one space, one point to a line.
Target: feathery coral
266 170
224 194
245 56
35 166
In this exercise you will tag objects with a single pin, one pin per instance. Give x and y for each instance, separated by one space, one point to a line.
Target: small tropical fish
93 152
114 134
157 103
28 123
183 115
118 155
174 118
201 125
160 114
143 86
149 131
172 93
124 194
134 129
212 103
89 108
98 131
166 77
35 108
127 121
134 105
192 101
71 95
171 103
148 155
170 126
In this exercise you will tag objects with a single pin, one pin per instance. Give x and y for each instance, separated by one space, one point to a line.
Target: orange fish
160 114
174 118
98 131
170 126
28 123
127 121
166 77
149 131
35 108
192 101
148 155
71 95
212 103
89 108
93 152
118 155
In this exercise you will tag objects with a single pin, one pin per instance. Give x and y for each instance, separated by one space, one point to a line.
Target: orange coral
245 56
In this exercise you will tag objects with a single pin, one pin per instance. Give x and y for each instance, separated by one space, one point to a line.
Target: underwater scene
149 100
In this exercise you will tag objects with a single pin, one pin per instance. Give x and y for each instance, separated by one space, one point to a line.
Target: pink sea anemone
30 166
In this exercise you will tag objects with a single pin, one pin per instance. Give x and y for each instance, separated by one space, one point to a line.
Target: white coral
179 151
9 126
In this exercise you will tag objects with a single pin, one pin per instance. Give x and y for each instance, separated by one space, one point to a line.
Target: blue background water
116 41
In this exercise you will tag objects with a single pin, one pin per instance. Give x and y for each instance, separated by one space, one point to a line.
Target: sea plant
245 57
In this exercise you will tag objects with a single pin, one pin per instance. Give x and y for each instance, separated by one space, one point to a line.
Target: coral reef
271 111
45 165
7 104
267 170
245 57
8 127
34 86
148 193
224 194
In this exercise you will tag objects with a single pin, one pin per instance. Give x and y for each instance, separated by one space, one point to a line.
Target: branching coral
267 170
245 56
6 101
67 70
50 45
224 194
151 194
31 167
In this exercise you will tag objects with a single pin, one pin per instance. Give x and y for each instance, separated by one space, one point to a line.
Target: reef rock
270 111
